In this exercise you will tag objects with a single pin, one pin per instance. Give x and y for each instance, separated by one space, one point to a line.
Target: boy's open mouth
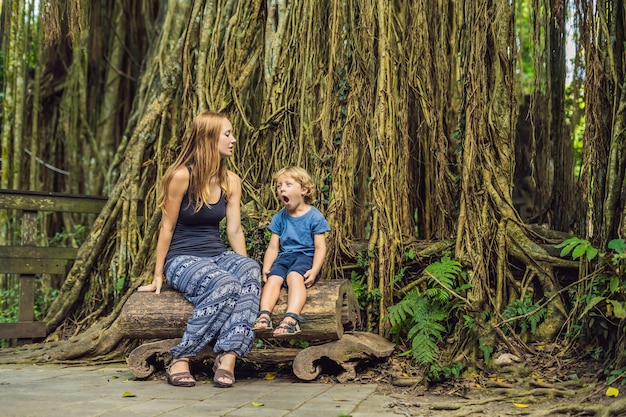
285 199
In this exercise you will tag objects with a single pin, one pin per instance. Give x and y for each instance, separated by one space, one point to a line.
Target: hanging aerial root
542 265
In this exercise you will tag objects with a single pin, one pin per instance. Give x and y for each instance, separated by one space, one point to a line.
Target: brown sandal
178 379
263 323
222 374
291 328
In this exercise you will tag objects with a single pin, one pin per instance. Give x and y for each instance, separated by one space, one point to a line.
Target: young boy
296 251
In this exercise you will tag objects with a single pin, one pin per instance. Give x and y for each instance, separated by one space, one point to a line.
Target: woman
198 191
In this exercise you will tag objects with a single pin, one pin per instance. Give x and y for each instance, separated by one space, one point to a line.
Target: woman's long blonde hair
199 151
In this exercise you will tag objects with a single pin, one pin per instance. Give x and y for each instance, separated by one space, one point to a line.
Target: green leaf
486 349
119 285
567 249
590 305
579 251
618 245
591 253
618 309
563 244
568 245
256 404
614 284
470 323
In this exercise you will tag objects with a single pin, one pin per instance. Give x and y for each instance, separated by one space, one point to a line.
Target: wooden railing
28 260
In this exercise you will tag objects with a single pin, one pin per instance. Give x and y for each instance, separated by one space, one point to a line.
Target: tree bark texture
330 310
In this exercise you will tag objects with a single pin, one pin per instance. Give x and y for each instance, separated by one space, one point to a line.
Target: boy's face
290 191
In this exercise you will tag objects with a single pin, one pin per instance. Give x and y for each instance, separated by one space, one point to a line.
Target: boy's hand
264 272
309 278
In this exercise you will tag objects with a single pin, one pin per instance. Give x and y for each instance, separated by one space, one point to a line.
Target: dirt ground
520 389
542 384
507 393
537 385
518 401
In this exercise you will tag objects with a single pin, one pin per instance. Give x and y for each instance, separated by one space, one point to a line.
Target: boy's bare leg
296 297
269 298
271 292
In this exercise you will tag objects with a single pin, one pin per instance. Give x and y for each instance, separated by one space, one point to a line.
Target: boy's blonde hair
302 177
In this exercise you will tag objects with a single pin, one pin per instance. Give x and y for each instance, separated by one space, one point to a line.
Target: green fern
422 316
412 305
525 314
445 273
425 333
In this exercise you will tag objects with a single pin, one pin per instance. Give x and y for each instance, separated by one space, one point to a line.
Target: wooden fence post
26 312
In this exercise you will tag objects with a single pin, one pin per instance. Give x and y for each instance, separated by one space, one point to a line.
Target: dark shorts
291 262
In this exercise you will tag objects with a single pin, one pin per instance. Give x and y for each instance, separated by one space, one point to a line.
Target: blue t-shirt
297 233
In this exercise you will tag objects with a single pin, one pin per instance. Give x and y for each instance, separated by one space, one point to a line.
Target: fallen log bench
332 319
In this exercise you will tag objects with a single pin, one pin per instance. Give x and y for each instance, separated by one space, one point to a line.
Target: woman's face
227 140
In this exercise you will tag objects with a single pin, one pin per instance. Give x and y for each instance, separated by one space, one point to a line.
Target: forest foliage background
471 170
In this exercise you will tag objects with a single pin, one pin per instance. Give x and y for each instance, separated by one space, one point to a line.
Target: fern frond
536 318
445 272
423 314
424 349
407 309
425 333
432 329
525 314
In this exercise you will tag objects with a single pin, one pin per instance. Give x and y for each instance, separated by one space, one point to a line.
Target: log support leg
307 363
141 360
346 352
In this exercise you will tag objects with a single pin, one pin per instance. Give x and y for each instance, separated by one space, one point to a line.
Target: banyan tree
467 160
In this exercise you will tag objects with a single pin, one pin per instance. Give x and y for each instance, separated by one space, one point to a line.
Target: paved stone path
84 391
111 390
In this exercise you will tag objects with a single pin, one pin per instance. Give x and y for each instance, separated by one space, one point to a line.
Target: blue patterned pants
224 290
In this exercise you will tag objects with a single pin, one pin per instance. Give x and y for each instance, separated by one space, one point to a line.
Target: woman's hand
155 286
